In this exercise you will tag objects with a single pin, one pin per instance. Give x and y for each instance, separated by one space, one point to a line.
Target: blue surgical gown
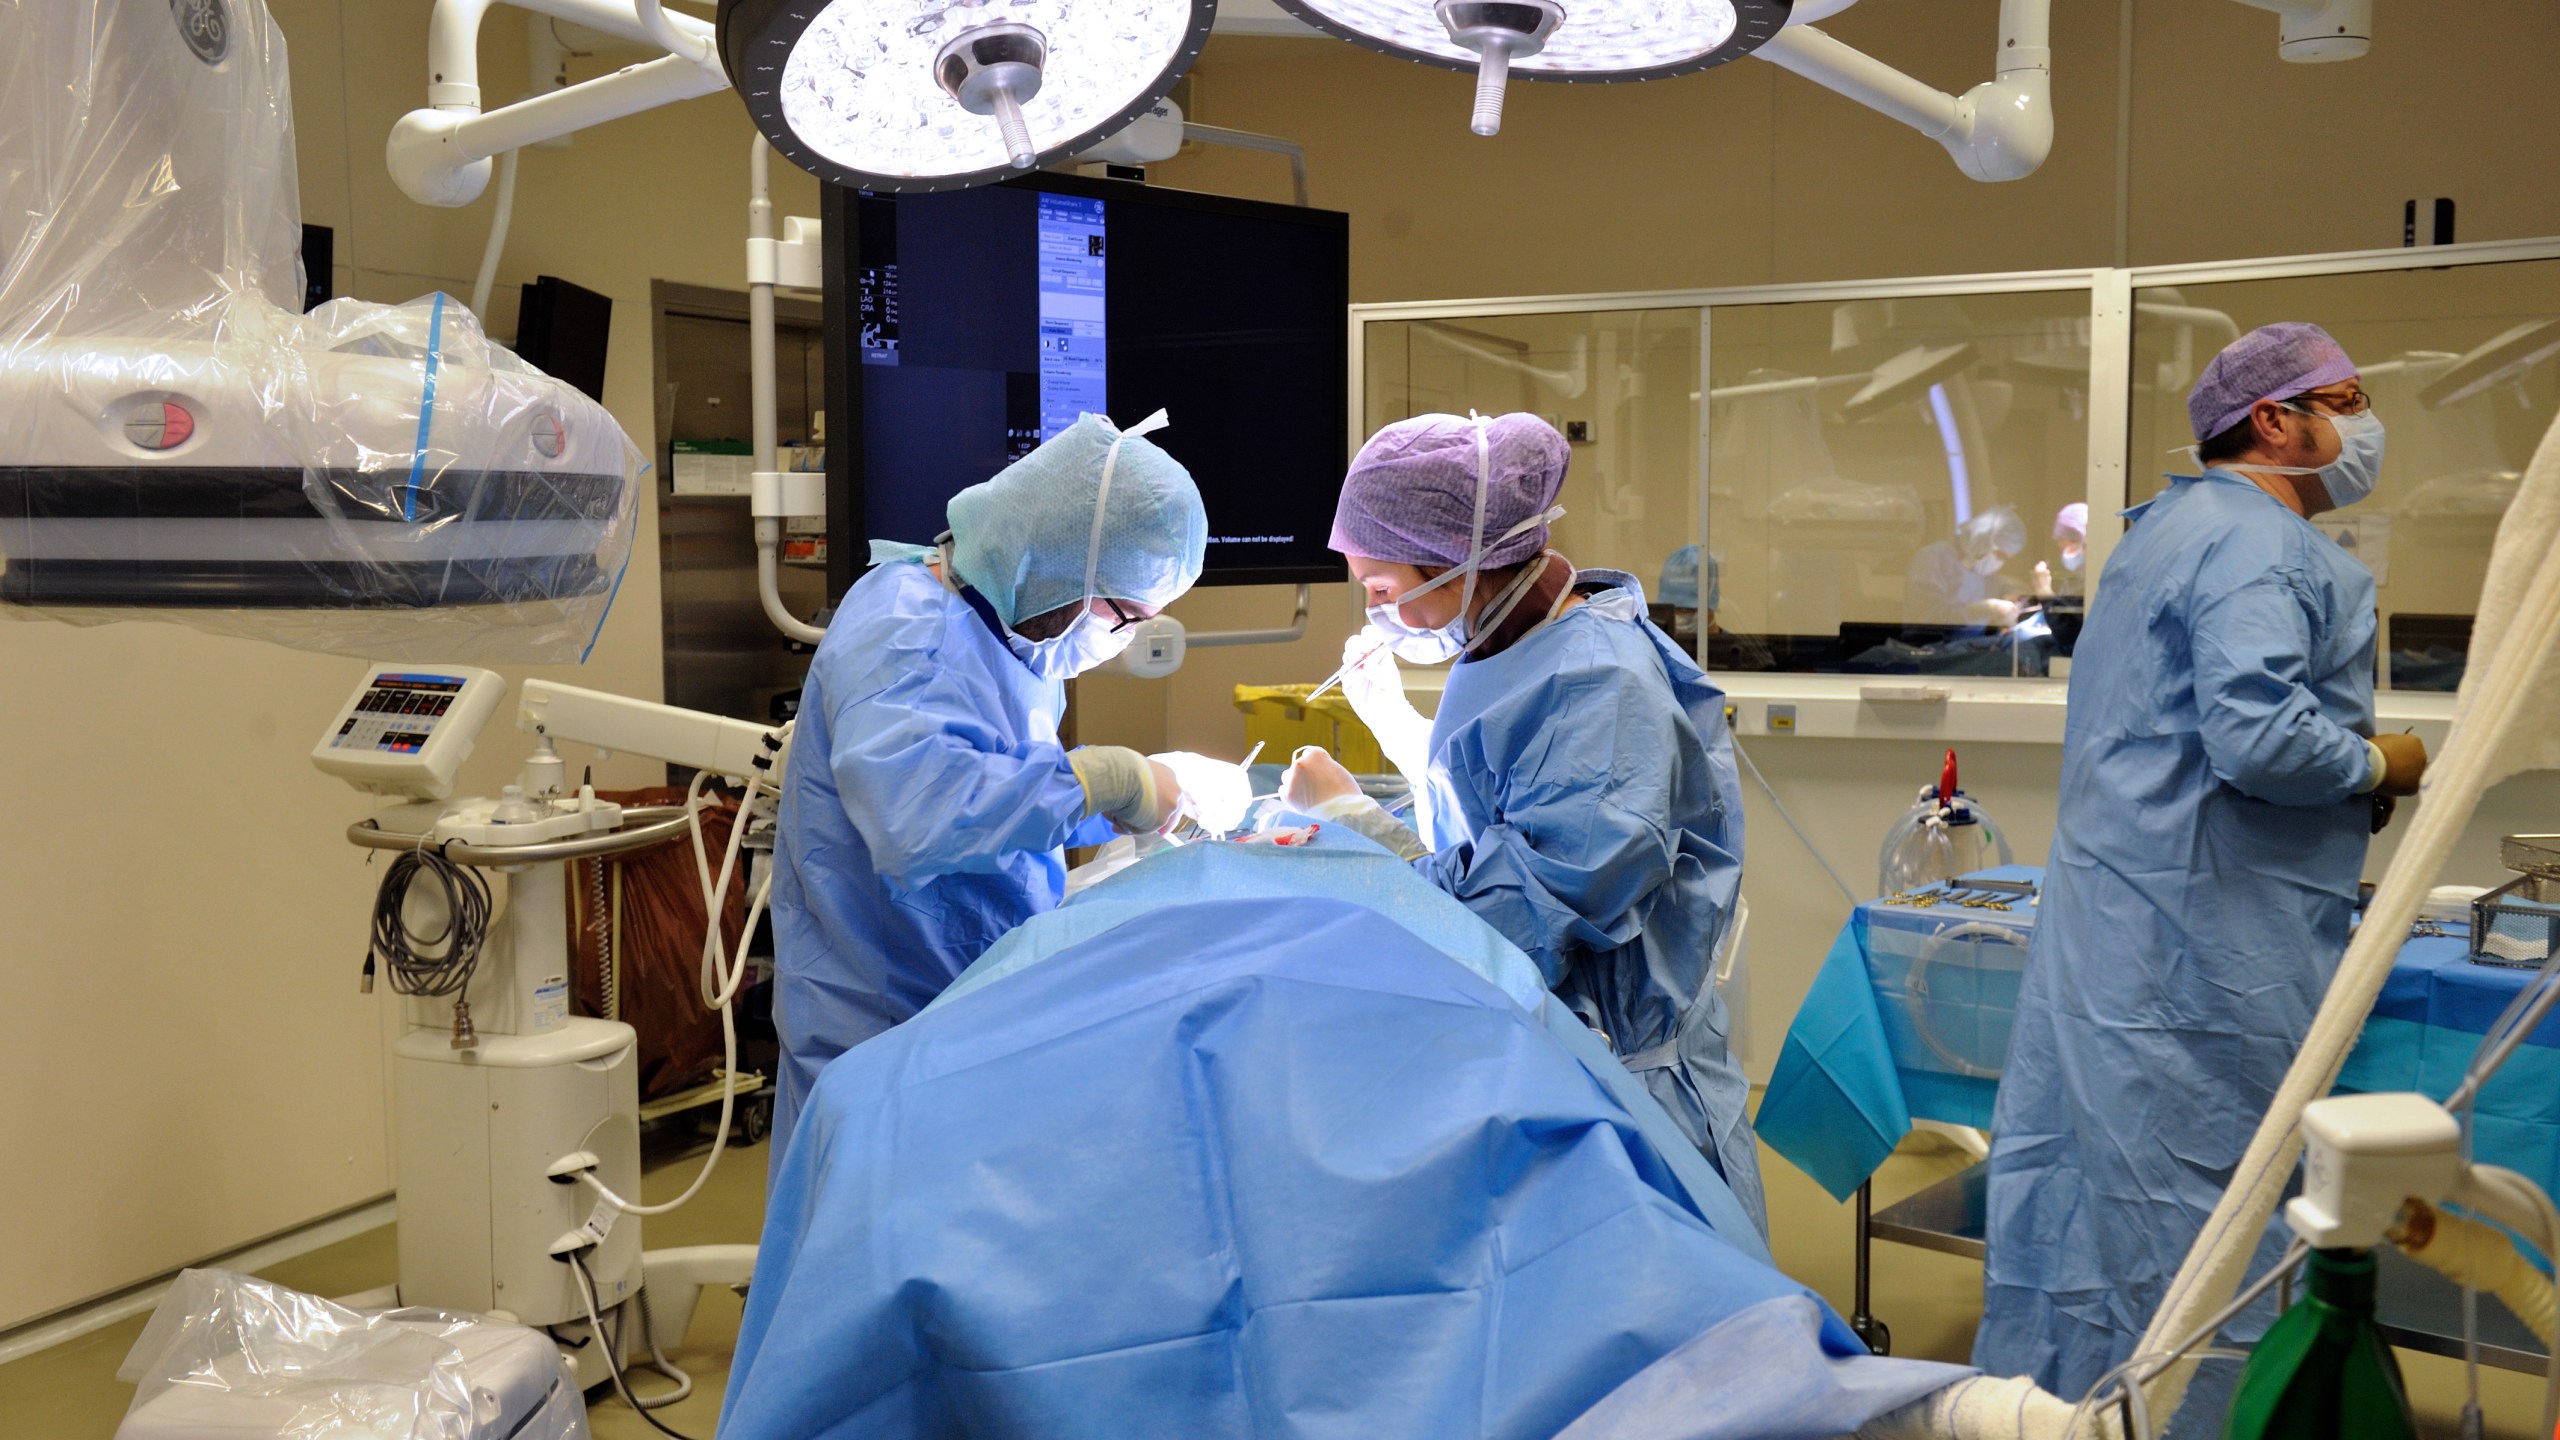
927 801
1582 799
2204 867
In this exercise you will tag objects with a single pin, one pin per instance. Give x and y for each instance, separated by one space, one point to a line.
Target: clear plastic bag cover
179 442
226 1354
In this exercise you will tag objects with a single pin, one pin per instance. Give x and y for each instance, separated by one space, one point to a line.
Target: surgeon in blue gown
2218 791
928 796
1579 790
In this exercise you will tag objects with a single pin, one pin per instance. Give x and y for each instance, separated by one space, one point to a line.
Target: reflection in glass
1884 475
2457 362
1622 387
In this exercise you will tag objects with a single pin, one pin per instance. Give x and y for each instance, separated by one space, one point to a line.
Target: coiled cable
432 966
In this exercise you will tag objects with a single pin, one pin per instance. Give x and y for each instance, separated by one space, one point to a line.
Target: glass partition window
1622 387
1889 482
2463 365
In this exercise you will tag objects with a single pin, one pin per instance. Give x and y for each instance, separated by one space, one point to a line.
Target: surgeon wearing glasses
2220 781
929 797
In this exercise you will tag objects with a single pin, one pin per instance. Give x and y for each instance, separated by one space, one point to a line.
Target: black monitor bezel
848 548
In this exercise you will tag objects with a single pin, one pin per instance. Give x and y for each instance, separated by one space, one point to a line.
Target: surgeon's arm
2263 731
1577 852
934 788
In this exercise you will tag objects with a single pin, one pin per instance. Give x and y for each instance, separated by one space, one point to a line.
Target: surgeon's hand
1376 685
1126 788
2044 578
2404 760
1313 779
1376 692
1218 792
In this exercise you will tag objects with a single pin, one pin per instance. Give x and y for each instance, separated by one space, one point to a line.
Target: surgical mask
1987 565
1089 639
1448 642
2352 476
2074 559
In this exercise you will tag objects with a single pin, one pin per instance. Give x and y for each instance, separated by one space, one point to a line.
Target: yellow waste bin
1280 719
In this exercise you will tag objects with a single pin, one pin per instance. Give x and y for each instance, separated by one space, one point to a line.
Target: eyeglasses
1121 619
2354 402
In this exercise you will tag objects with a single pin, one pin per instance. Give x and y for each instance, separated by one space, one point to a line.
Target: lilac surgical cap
2272 362
1410 498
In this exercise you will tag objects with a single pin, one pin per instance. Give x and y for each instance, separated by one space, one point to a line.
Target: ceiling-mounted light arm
1247 140
2001 129
2315 31
440 155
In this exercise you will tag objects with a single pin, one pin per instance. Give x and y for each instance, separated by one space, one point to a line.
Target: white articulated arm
2000 129
440 155
2316 31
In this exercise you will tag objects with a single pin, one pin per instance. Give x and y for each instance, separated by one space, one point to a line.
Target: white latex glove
1999 614
1131 791
2044 578
1315 779
1317 785
1218 791
1376 692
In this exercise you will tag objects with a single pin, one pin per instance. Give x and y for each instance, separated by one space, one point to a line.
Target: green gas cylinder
2323 1372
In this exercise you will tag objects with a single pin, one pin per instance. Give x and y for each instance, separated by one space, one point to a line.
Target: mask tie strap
1102 496
1475 560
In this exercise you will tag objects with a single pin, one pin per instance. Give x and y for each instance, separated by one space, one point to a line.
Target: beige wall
185 923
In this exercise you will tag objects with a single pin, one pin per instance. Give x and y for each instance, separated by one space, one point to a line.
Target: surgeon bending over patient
928 795
1578 783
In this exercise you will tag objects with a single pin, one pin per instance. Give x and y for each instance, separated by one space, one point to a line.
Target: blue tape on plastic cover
614 594
426 408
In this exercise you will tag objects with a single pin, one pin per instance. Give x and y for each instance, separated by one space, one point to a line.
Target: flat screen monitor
965 328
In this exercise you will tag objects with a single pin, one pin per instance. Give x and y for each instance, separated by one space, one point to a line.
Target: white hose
722 977
2493 698
498 223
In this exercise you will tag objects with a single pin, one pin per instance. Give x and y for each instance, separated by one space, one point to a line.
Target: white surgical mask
2074 559
1089 639
2352 476
1447 642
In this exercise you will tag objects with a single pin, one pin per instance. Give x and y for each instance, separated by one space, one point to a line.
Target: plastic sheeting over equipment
1274 1142
226 1355
178 441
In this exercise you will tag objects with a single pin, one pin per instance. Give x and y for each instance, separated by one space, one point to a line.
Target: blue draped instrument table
1909 1020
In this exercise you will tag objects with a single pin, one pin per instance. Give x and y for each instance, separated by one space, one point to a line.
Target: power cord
612 1361
1781 807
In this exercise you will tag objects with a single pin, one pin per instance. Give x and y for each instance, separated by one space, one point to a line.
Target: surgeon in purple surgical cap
1577 784
2220 777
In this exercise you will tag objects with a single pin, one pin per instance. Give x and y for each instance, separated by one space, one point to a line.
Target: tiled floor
1931 1301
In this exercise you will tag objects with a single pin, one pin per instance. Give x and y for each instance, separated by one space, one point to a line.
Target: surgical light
1585 41
894 95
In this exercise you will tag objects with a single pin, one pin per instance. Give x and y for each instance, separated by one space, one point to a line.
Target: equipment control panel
408 728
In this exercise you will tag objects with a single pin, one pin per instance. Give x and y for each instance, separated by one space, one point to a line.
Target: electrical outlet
1782 719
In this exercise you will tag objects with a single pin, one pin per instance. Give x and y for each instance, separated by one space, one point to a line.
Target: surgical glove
1356 811
2399 763
1218 791
1376 692
2044 578
1315 778
1126 788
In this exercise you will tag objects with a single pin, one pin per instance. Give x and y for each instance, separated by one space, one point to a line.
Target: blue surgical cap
1022 538
1679 587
